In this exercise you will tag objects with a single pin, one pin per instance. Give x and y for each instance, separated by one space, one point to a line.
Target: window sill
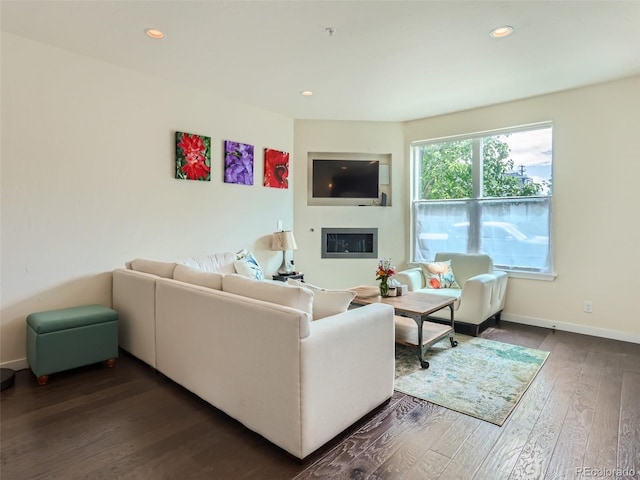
546 277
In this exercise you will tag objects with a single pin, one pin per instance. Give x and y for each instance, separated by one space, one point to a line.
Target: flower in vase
385 269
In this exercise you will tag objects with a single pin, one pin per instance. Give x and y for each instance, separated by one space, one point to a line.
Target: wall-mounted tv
345 178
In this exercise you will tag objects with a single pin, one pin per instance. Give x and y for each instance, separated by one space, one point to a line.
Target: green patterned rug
481 378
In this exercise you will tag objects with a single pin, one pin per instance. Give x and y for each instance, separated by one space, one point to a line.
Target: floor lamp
281 242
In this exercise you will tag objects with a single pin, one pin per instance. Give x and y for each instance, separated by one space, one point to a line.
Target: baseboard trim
572 327
20 364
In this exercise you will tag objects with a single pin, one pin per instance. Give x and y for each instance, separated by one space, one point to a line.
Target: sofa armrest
500 290
412 277
347 370
475 300
134 297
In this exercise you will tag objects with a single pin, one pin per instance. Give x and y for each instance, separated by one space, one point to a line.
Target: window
485 193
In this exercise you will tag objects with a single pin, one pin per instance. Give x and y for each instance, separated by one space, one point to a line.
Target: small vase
384 287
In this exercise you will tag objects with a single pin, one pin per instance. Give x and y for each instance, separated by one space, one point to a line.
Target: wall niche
348 179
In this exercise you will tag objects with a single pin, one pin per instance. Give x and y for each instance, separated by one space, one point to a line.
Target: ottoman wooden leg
43 379
111 363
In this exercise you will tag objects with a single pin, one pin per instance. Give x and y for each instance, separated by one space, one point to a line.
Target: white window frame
477 197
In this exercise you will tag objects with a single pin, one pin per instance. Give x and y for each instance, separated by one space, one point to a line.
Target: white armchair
480 297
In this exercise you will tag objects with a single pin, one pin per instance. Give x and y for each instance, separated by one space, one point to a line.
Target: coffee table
417 306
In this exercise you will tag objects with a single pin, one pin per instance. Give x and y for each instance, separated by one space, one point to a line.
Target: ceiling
386 60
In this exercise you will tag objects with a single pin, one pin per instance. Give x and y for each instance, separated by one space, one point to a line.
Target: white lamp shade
281 241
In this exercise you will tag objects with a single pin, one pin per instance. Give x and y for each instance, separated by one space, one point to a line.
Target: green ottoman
59 340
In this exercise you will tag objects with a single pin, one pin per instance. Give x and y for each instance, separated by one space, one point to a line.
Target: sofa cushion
466 265
274 292
439 275
247 265
326 302
198 277
217 262
162 269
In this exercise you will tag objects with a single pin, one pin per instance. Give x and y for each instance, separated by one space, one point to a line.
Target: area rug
481 378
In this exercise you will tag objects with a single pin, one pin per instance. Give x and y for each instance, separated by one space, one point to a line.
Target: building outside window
488 192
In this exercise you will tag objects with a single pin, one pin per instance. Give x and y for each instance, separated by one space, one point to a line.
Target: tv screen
345 178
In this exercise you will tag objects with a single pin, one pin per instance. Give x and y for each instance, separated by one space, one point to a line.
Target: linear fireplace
349 243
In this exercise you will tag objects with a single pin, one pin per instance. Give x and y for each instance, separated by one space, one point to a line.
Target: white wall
87 183
348 137
595 206
88 156
595 234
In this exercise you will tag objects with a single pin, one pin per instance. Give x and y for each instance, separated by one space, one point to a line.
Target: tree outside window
486 194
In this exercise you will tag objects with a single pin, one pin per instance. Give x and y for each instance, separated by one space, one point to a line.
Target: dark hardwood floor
581 412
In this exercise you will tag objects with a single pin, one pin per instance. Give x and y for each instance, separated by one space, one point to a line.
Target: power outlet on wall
279 225
588 306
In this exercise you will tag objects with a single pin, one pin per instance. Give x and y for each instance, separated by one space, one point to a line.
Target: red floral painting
193 157
276 168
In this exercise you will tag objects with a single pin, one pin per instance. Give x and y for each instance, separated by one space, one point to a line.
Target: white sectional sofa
253 350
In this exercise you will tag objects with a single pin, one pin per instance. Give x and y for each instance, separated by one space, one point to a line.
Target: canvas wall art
238 163
193 157
276 168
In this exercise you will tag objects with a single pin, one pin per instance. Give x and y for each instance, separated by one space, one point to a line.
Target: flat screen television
345 178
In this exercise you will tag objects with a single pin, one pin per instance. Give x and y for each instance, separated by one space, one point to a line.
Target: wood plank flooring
580 418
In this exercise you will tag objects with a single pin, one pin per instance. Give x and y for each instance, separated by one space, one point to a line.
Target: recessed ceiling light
501 32
154 33
306 93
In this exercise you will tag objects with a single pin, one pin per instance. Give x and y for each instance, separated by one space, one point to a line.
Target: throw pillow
198 277
217 262
439 275
274 292
326 302
247 265
162 269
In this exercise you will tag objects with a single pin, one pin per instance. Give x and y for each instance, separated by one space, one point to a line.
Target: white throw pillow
198 277
217 262
274 292
326 302
247 265
162 269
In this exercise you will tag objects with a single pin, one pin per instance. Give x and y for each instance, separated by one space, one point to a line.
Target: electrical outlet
279 225
588 306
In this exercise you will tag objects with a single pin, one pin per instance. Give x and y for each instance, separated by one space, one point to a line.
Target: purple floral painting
238 163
